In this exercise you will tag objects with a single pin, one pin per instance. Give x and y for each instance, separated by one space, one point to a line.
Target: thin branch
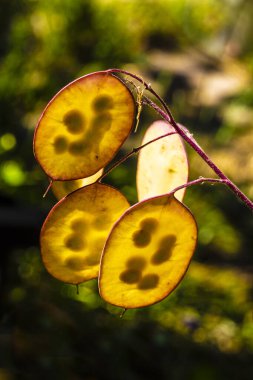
184 133
145 84
123 313
200 180
48 188
133 151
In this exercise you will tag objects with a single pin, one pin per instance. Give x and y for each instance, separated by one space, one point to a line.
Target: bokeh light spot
8 141
12 173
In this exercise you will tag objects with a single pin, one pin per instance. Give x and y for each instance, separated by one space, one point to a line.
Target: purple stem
133 151
145 84
191 141
167 115
197 181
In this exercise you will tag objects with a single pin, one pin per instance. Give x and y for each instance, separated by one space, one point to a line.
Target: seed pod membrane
63 188
84 126
74 233
163 164
147 252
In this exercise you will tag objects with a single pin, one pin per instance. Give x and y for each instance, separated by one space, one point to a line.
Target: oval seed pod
73 234
84 126
163 164
147 252
63 188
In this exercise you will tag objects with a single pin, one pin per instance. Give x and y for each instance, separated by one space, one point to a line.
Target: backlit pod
84 126
147 252
162 165
74 233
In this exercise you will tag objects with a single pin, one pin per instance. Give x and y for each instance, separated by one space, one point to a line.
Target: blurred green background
198 55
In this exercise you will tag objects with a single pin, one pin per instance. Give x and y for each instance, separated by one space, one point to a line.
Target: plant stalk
186 135
200 180
192 142
133 151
